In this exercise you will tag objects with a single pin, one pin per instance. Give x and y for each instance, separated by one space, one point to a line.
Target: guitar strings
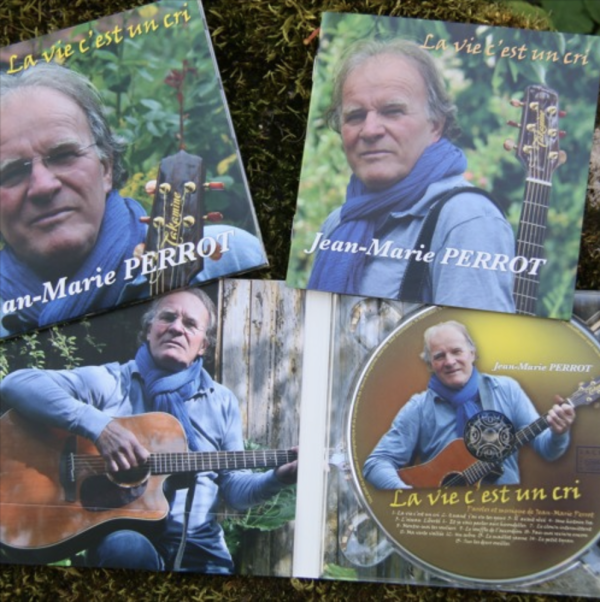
162 462
532 229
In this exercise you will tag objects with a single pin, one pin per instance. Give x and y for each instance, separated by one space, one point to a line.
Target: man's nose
177 325
42 181
449 360
372 125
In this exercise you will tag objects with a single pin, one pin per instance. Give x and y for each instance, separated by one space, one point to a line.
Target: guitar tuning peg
513 123
562 113
508 145
562 133
516 103
562 157
214 186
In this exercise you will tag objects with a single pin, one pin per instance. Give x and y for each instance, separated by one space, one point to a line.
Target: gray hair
433 330
150 315
79 89
440 107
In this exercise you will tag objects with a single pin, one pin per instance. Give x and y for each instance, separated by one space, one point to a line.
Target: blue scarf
119 234
364 212
168 391
465 401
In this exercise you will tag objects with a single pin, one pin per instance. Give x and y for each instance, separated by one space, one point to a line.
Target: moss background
265 54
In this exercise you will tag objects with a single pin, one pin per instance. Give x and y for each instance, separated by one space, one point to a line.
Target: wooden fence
259 357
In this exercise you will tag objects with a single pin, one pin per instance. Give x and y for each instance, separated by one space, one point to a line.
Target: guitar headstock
176 218
176 223
539 133
586 394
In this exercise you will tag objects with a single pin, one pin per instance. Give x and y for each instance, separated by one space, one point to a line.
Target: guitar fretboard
168 463
530 243
180 462
539 152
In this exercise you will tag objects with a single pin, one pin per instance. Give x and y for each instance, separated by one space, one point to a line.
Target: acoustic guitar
538 150
56 496
456 466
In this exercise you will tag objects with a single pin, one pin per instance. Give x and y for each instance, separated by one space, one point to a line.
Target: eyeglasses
59 161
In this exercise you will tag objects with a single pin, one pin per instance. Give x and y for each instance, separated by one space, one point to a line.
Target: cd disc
489 528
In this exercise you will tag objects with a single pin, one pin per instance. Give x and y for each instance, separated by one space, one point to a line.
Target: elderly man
456 392
166 375
395 119
60 212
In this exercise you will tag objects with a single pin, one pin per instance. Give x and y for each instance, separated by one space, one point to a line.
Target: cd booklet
470 195
503 502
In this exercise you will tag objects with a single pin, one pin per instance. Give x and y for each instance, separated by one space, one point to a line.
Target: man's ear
203 348
437 130
107 176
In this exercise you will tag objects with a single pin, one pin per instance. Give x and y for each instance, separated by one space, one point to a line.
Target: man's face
51 220
177 335
384 123
451 357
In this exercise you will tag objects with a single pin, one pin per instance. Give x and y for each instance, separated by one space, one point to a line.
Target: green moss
266 67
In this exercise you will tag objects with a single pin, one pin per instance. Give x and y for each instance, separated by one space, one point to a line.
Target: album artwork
446 163
58 498
508 505
120 176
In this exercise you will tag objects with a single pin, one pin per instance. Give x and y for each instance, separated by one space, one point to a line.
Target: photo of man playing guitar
432 420
123 412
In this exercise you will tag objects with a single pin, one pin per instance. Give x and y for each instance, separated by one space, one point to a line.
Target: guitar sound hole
99 493
134 477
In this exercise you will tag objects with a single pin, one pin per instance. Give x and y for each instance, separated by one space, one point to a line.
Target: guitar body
41 511
450 463
456 466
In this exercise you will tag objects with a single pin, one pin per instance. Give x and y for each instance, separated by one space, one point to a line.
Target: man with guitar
165 376
61 215
408 204
432 420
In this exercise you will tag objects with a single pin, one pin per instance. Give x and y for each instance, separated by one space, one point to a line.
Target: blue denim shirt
427 424
84 401
468 221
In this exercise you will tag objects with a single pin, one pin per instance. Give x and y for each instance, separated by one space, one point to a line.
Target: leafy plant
271 515
576 16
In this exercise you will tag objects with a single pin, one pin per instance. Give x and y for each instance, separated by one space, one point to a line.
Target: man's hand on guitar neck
288 473
561 416
120 448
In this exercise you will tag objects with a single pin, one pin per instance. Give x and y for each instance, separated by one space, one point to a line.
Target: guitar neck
531 236
538 150
171 463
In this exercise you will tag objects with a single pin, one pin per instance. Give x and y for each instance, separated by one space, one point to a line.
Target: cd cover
60 503
120 174
446 163
532 526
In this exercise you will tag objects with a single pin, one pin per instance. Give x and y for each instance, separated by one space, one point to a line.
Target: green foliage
335 571
576 16
52 348
268 516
